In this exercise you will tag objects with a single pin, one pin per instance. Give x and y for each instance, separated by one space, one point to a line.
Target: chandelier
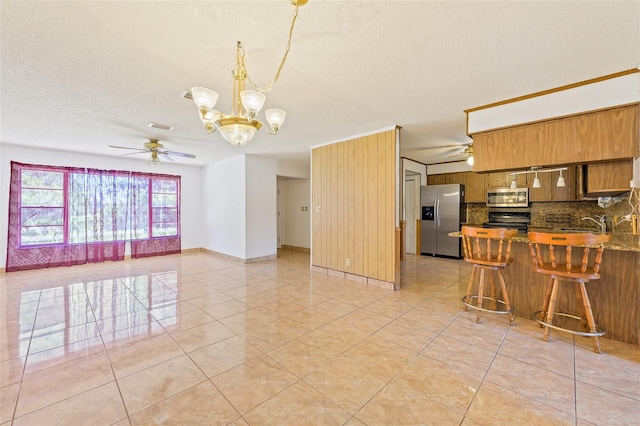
240 126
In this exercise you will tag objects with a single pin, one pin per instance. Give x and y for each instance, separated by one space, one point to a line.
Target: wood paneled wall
353 202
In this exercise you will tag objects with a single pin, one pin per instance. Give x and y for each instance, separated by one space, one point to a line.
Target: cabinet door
476 188
459 178
545 192
609 178
568 192
498 180
437 179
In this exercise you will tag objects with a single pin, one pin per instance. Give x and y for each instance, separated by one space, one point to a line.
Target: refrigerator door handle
437 202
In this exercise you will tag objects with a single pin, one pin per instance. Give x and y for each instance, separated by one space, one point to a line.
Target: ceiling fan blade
180 154
123 147
140 151
164 156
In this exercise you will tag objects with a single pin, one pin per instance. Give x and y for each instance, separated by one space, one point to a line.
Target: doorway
411 210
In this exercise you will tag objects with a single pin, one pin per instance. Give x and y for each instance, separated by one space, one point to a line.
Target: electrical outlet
347 262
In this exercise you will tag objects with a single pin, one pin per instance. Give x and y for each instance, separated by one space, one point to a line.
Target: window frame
64 207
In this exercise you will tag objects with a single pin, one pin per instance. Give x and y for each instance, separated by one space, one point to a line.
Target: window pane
164 200
41 179
165 214
165 186
166 229
42 235
42 197
42 216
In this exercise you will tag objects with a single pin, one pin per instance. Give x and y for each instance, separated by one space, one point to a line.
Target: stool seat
553 255
487 250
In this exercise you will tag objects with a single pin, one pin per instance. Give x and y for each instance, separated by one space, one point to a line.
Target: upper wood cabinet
593 137
475 187
545 192
567 192
608 178
497 180
459 178
438 179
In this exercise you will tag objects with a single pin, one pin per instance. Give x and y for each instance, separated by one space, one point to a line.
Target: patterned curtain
164 199
63 216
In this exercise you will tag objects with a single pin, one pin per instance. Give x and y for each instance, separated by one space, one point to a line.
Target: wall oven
506 197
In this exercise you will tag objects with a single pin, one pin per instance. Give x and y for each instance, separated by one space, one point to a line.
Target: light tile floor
195 339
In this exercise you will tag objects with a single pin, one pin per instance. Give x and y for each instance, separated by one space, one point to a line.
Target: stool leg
589 314
547 296
470 287
581 310
551 307
493 289
505 296
480 294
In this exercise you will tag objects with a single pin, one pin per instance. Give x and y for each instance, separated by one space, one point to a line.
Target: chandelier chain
242 66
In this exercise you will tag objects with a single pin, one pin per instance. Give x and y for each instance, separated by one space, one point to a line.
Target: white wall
296 223
228 207
191 188
262 209
457 166
223 207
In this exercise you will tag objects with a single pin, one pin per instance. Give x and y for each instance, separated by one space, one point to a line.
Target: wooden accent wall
354 204
586 138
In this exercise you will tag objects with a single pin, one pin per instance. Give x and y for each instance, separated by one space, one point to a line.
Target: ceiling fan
466 153
157 151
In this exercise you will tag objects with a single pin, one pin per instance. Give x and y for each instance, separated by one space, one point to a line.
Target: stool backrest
487 243
585 240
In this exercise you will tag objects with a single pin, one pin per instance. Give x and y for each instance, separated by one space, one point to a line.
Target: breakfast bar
615 297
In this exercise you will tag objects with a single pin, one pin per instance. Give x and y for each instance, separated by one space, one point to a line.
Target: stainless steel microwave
506 197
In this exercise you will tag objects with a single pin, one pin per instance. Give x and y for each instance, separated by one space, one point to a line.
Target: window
66 215
41 207
164 207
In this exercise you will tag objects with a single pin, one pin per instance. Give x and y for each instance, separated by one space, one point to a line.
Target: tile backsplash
560 214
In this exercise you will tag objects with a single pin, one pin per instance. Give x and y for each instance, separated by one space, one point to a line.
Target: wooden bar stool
578 267
485 249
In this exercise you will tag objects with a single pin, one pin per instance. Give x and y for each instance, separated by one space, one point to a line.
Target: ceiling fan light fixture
470 161
154 160
239 127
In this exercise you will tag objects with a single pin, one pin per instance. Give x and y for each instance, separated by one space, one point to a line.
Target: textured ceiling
80 75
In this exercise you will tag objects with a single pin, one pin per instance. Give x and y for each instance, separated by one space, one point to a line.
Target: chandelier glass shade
239 127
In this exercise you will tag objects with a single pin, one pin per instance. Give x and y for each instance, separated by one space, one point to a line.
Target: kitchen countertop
622 242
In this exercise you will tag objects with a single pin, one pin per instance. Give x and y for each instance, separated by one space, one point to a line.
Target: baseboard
295 248
239 259
357 278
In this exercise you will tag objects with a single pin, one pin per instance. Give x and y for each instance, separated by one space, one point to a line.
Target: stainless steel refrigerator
443 209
